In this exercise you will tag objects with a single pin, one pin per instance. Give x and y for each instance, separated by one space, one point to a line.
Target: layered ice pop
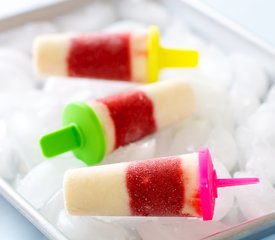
184 185
97 127
129 56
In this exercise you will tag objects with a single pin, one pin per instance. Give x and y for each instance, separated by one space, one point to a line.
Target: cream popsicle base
100 190
173 101
50 54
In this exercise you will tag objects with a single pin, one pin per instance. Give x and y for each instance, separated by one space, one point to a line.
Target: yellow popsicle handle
173 58
160 57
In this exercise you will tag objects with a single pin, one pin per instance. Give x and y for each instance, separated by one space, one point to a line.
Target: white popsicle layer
107 123
50 54
139 54
172 100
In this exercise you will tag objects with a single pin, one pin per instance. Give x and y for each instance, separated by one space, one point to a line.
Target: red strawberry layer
132 113
100 56
155 187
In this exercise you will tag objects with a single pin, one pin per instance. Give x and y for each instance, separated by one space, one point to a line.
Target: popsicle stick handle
60 141
178 58
227 182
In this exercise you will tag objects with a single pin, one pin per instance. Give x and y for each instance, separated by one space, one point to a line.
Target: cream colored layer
138 52
97 191
50 53
191 182
173 101
107 123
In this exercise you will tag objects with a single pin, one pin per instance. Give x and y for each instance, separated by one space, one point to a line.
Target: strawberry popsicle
97 127
129 56
184 185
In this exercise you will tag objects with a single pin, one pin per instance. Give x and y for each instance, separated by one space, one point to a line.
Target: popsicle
184 185
128 56
97 127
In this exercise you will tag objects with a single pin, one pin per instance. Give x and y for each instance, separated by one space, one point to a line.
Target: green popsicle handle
61 141
82 133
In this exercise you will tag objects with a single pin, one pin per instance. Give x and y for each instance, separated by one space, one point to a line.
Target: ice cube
148 12
8 103
243 102
21 38
260 160
34 118
271 94
262 121
46 179
245 140
249 73
79 89
213 105
234 216
125 26
17 58
190 136
23 62
9 160
93 17
179 228
223 147
14 78
214 66
25 131
53 207
163 139
185 38
143 149
129 223
82 228
255 200
225 199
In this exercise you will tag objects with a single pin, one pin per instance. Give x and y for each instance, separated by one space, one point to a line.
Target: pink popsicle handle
209 183
226 182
